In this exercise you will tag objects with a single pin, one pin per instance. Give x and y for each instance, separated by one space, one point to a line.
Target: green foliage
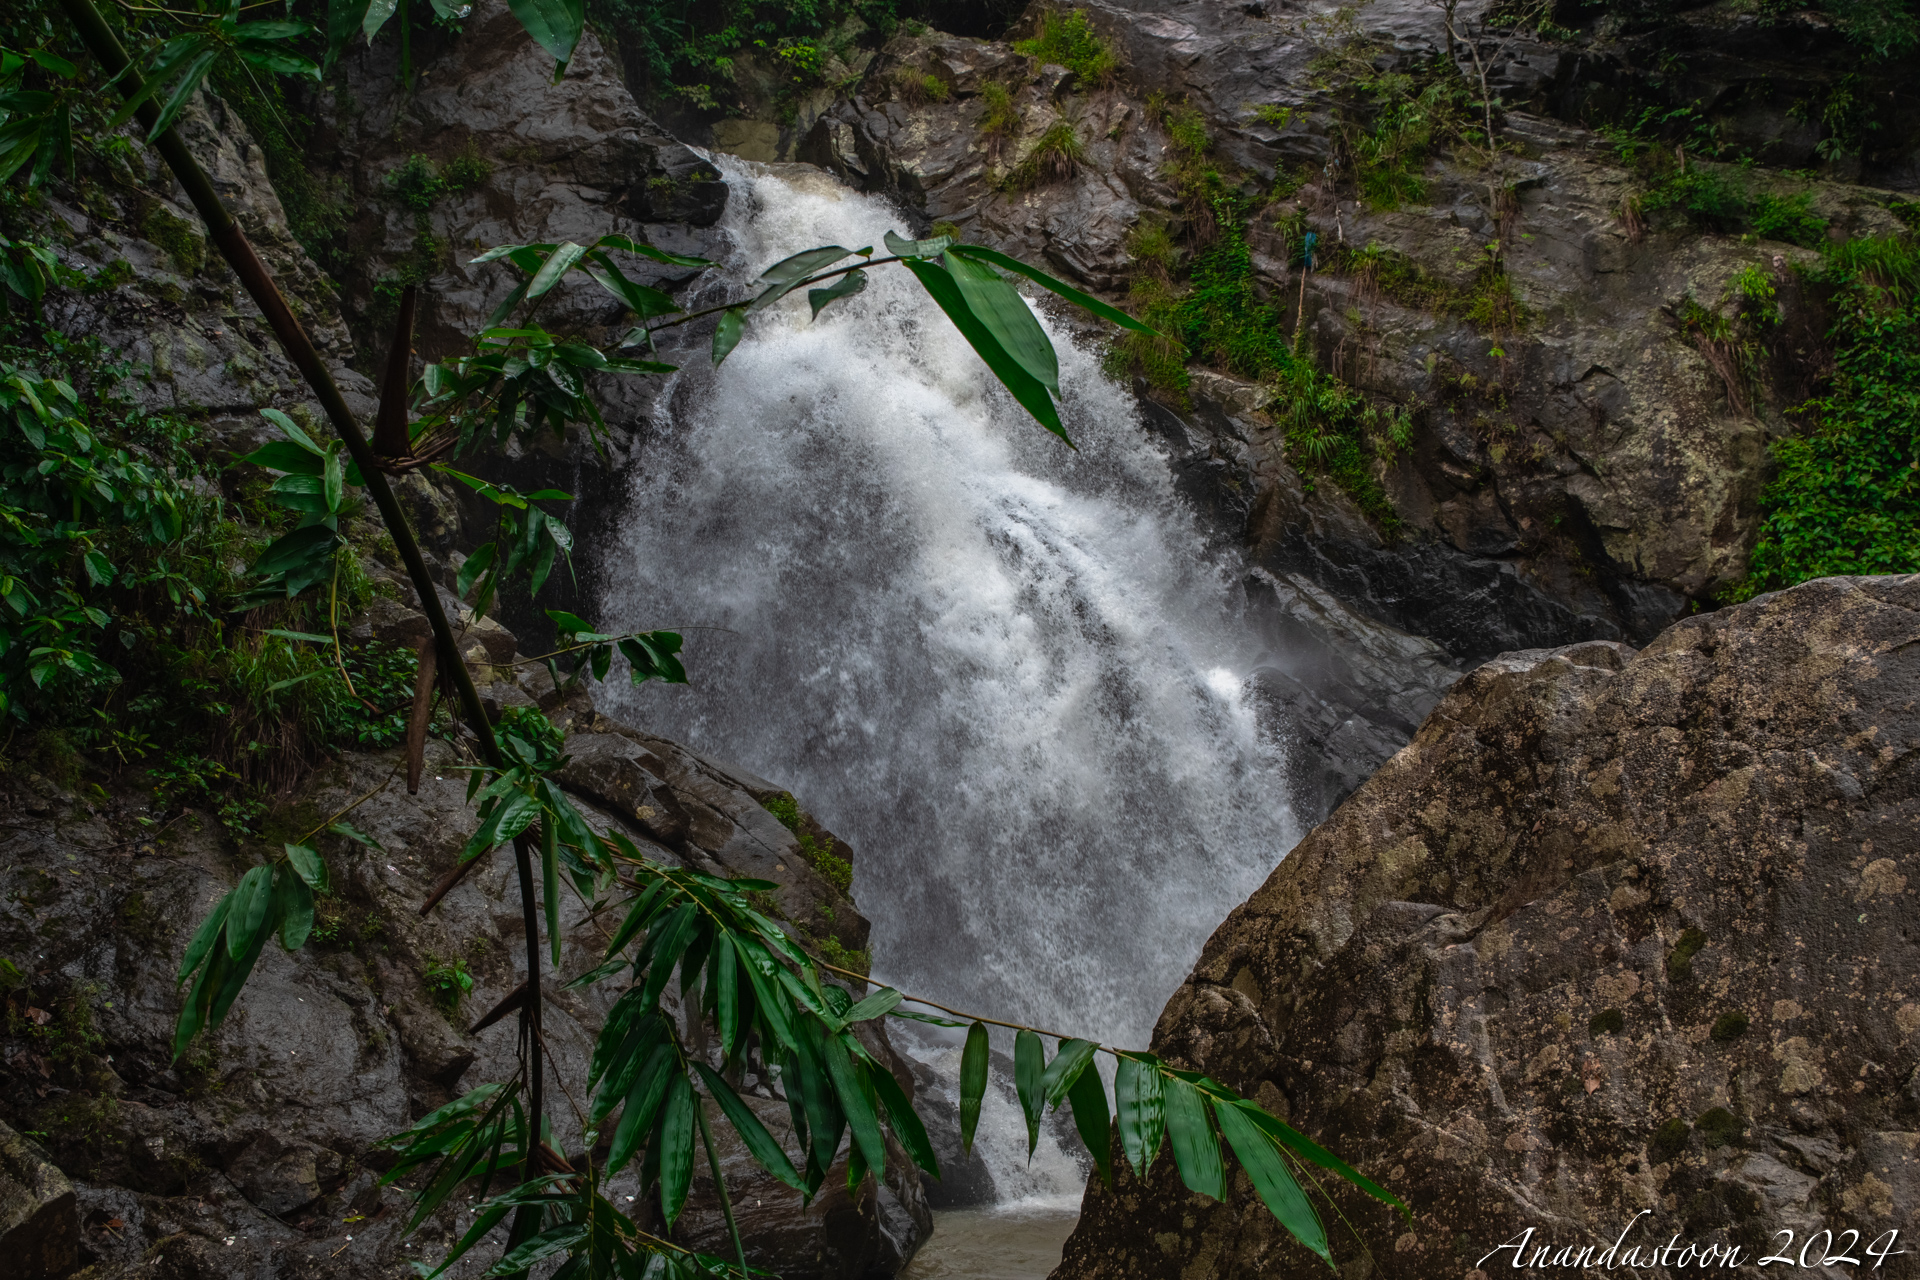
834 869
1846 499
687 52
419 183
1789 218
447 981
1069 40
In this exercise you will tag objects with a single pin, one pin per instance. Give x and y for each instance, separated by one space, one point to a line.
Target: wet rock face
1617 932
39 1228
255 1153
1583 479
518 159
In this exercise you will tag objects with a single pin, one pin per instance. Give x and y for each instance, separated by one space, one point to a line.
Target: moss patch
1680 959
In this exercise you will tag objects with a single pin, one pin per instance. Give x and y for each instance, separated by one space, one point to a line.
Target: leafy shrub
1790 219
1069 40
1846 499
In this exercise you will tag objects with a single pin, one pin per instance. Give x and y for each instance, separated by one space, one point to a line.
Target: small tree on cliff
758 995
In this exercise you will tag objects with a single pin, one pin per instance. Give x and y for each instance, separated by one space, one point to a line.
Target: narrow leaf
555 25
901 1119
851 1090
251 899
676 1148
1195 1149
1137 1099
973 1083
1028 1056
917 248
203 938
759 1142
1047 282
1271 1178
851 283
1088 1098
877 1005
1067 1064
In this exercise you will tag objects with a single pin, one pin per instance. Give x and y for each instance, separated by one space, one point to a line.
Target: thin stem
971 1017
720 1184
691 316
385 783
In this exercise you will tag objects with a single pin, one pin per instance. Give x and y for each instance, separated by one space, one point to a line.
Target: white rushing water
1009 674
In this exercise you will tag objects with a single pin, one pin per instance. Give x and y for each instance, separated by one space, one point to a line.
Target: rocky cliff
1618 940
1576 466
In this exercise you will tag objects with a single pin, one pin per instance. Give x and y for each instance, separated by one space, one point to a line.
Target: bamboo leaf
759 1142
545 1245
849 1086
726 993
295 908
789 273
1088 1098
877 1005
1138 1101
309 865
676 1148
1272 1180
917 248
1067 1064
973 1083
1301 1145
1195 1150
555 26
558 263
901 1119
1028 1056
204 938
642 1105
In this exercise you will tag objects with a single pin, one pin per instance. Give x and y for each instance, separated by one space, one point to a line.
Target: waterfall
1008 673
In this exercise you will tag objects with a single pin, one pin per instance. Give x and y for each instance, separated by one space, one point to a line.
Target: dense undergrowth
132 633
1217 316
1846 499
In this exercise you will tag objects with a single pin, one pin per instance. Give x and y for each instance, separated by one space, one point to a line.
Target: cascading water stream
1007 672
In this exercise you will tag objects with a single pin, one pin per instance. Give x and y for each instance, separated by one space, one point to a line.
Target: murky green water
1012 1243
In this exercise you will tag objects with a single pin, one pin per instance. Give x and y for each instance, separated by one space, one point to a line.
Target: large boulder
1619 940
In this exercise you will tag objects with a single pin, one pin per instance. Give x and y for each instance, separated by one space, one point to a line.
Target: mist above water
1007 672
